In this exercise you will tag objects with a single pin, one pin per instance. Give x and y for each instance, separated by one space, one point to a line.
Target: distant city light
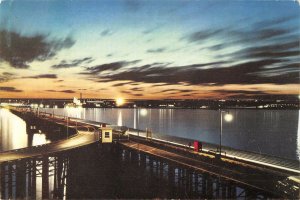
228 117
120 101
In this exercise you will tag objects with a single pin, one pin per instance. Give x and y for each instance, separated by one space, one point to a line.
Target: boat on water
75 104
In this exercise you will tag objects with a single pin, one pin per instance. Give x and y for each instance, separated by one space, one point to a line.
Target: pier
177 164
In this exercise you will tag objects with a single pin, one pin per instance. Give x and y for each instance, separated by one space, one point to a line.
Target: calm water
274 132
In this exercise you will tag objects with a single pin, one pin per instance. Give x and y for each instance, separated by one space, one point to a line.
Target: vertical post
45 178
221 130
33 180
20 179
196 183
138 121
10 177
151 166
171 178
161 169
3 185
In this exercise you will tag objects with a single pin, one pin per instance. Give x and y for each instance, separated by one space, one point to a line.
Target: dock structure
184 169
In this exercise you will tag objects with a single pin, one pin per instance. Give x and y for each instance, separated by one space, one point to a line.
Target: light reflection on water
273 132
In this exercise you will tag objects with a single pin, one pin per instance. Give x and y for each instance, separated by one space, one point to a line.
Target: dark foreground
108 171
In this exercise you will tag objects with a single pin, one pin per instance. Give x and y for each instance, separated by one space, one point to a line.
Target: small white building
106 133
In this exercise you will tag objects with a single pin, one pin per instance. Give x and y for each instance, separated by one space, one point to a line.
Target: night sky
154 49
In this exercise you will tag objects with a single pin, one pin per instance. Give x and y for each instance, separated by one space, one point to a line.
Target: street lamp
228 118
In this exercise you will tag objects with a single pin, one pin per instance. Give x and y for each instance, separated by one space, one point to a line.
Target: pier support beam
171 177
45 178
9 180
20 179
33 179
3 185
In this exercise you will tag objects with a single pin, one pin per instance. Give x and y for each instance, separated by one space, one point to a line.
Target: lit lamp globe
143 112
228 117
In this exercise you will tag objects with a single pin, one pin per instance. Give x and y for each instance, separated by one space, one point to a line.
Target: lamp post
228 118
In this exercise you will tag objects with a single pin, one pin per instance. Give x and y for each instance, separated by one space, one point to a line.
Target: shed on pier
106 133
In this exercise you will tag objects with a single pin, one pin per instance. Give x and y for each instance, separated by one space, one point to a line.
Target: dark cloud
51 91
158 50
148 31
120 84
187 95
109 67
272 32
126 92
176 91
6 76
106 32
50 76
200 36
216 47
153 29
272 22
240 92
10 89
63 91
67 91
184 91
274 50
137 95
19 50
73 63
133 83
237 36
251 72
137 89
169 90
